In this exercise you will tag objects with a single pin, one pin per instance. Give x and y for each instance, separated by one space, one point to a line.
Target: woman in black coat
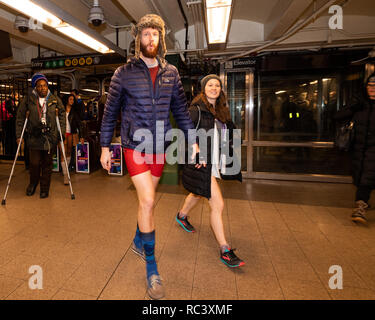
209 111
72 135
362 113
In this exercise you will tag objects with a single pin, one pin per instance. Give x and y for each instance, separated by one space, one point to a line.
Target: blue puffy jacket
131 92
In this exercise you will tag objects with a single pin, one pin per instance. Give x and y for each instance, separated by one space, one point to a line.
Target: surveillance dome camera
96 15
22 24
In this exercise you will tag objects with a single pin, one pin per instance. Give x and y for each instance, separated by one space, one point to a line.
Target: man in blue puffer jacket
145 90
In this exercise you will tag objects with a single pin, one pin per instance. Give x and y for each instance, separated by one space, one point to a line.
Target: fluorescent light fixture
82 37
314 82
280 92
326 80
38 13
218 14
90 90
32 10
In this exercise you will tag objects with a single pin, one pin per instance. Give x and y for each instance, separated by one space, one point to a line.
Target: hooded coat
362 112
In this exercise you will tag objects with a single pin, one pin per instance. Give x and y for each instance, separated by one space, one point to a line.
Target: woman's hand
194 154
105 158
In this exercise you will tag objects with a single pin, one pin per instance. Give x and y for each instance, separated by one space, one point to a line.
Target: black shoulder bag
345 136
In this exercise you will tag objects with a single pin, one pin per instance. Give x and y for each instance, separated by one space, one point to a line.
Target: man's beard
149 54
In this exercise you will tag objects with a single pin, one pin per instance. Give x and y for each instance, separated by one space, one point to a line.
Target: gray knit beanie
208 78
150 21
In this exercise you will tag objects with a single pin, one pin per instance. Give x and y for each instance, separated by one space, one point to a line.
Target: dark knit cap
208 78
36 77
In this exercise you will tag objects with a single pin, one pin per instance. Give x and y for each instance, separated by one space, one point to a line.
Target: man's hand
82 141
19 140
105 158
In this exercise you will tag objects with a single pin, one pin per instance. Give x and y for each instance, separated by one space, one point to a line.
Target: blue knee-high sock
148 241
137 238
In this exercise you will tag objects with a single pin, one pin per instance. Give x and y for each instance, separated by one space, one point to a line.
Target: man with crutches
43 132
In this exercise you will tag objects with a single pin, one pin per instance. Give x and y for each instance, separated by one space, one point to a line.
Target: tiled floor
289 234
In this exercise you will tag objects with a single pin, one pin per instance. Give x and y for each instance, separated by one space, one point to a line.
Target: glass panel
329 108
301 160
244 158
236 95
295 109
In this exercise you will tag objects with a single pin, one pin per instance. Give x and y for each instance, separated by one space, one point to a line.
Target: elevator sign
241 63
77 61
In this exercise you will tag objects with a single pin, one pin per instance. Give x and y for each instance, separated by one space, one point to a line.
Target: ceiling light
218 14
38 13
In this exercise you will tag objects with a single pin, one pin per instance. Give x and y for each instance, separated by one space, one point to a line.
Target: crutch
63 152
15 159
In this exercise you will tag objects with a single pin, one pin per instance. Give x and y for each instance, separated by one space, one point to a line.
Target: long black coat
198 181
362 112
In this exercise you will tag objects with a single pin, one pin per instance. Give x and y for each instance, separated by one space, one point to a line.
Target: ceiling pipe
288 34
186 25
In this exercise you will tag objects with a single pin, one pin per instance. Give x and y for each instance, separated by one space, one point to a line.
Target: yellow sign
68 62
75 62
88 60
82 61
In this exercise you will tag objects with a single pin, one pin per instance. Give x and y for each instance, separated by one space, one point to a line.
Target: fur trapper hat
150 21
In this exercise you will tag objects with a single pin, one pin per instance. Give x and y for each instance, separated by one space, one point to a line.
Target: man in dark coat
145 90
362 113
43 134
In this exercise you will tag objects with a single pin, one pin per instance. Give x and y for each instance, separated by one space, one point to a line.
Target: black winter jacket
198 181
132 92
362 112
75 122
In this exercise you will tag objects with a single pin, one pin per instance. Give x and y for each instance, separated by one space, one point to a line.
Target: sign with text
82 158
116 159
84 60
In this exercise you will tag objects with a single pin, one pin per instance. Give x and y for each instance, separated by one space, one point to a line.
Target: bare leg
190 201
216 217
145 186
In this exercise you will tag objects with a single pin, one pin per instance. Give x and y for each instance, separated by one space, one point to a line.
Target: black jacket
362 112
75 122
198 181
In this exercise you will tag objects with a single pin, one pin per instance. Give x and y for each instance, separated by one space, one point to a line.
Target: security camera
22 24
96 15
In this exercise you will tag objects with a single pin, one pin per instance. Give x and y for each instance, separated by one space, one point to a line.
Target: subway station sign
76 61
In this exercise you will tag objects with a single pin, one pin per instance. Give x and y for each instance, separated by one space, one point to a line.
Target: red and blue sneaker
184 223
230 259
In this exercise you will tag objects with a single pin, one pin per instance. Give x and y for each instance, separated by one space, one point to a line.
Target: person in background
43 134
209 111
80 104
73 133
9 123
362 112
